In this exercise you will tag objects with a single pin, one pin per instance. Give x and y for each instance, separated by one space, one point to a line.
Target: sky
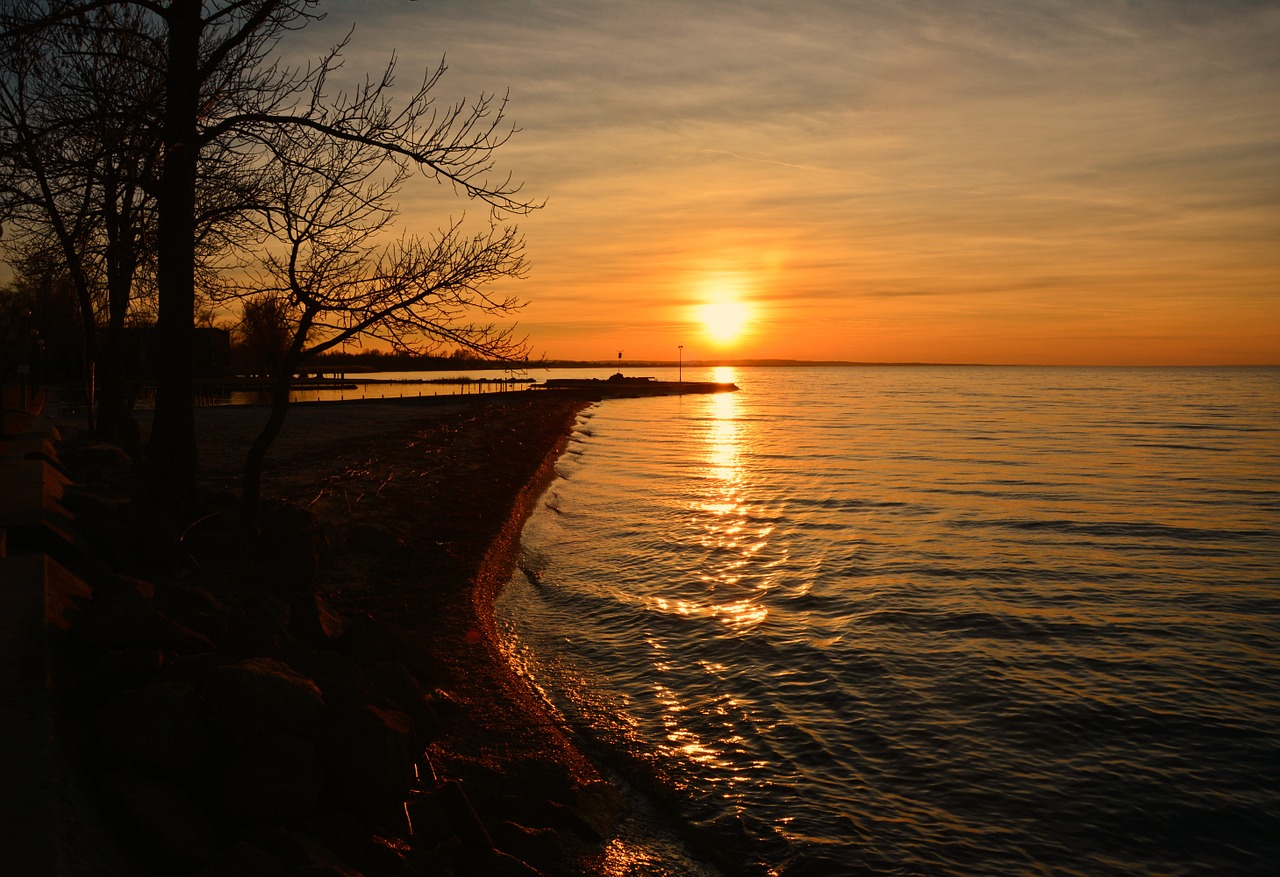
1030 181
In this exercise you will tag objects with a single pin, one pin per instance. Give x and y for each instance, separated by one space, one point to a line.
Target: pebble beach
367 597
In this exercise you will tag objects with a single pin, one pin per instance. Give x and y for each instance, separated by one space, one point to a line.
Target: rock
600 806
163 817
540 845
494 863
258 696
288 551
563 818
127 586
110 525
297 852
127 619
244 860
274 778
215 537
160 725
367 642
429 820
330 666
97 463
395 683
194 608
288 518
386 858
366 749
117 669
313 621
340 830
263 631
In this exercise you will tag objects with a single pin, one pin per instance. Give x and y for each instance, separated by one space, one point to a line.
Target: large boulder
394 682
243 859
313 621
257 696
366 749
262 631
162 725
194 608
367 642
288 552
301 854
117 669
274 778
124 617
170 825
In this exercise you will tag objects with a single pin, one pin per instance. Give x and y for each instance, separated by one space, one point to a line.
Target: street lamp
680 347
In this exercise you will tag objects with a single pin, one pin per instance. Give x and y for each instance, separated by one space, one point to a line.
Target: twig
378 492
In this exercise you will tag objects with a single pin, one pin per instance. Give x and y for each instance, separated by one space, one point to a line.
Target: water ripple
927 621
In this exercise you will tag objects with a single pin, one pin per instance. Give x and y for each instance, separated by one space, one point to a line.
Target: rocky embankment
229 706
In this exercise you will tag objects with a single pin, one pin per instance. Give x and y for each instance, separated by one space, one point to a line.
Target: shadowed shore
423 506
392 526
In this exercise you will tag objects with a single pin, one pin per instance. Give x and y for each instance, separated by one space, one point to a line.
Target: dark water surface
920 620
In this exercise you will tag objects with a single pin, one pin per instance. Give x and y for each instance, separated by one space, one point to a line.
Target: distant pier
621 385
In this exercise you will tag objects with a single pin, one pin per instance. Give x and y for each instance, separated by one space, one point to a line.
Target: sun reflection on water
732 555
721 516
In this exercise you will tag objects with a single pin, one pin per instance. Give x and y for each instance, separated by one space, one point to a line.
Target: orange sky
925 180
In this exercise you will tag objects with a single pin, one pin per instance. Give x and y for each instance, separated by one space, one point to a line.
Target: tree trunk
286 365
172 451
251 485
114 416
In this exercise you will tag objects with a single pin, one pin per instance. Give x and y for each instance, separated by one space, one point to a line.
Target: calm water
926 620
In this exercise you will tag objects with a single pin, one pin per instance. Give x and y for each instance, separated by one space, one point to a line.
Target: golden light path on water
718 521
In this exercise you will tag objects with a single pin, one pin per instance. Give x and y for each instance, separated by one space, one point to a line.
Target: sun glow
724 321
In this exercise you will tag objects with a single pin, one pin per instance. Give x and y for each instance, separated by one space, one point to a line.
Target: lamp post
680 372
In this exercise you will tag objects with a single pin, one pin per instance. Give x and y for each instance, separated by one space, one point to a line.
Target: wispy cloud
997 156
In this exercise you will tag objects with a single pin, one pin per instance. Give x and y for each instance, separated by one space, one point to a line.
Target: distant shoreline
631 364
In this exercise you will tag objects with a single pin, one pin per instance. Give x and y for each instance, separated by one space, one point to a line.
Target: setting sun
724 321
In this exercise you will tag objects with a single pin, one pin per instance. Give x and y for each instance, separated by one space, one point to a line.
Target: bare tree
265 333
225 101
344 278
75 154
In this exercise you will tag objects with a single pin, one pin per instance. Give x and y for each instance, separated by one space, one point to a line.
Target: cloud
997 153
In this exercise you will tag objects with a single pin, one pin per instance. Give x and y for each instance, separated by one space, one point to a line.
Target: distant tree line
390 361
160 165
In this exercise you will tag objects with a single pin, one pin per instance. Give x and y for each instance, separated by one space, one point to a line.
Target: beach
401 519
435 495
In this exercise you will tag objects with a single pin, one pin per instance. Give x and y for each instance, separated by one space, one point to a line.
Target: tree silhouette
74 159
265 333
344 277
226 102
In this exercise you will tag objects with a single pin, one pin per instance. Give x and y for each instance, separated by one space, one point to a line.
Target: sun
724 321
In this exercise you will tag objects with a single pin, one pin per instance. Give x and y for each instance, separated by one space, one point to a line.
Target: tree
75 156
343 278
265 333
223 97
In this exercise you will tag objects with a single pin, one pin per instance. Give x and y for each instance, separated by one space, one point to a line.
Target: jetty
620 385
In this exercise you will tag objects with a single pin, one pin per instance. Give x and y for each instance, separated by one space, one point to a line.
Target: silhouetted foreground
325 697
